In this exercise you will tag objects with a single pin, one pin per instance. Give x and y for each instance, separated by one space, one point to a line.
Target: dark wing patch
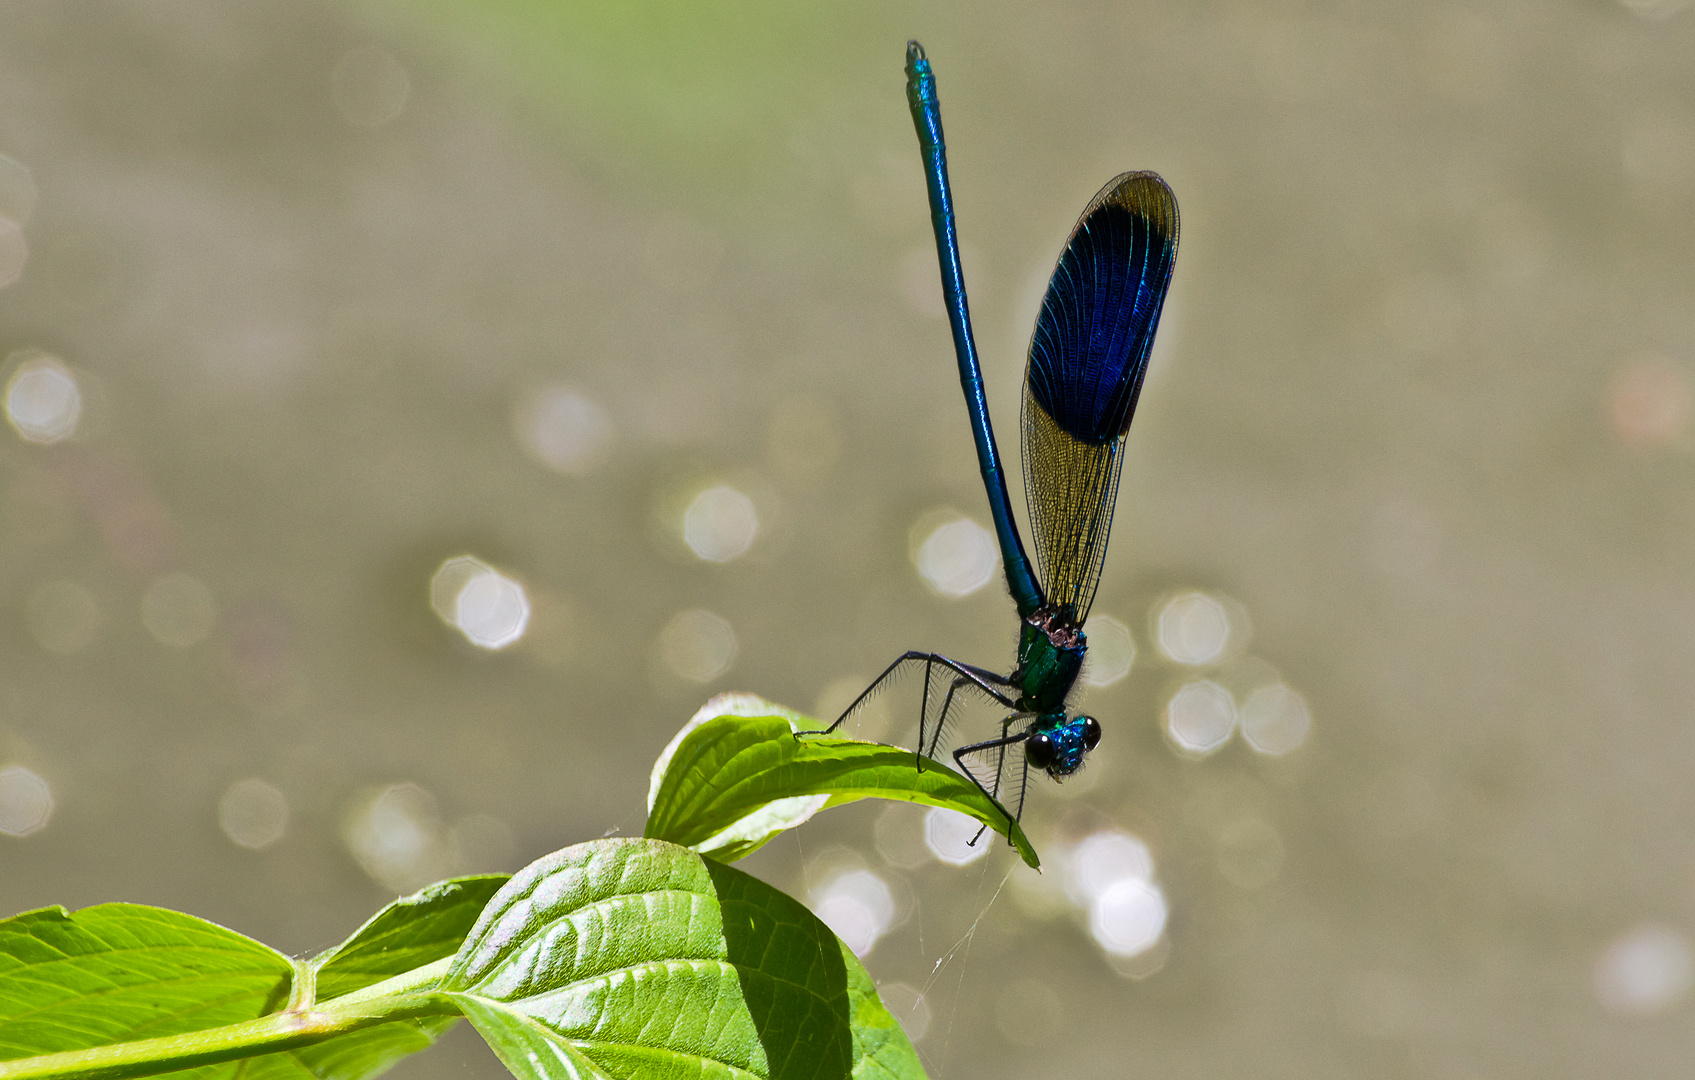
1102 307
1087 360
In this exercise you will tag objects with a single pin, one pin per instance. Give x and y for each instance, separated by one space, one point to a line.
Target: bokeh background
630 308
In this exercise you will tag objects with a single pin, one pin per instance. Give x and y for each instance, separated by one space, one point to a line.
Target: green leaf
736 776
529 1050
748 833
120 972
353 1056
411 932
629 957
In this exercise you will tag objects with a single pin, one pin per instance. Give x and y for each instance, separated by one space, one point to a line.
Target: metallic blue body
1087 360
927 117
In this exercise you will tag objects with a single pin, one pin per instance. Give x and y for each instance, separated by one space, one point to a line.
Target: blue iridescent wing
1087 360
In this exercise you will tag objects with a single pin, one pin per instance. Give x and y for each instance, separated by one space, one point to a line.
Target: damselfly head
1056 744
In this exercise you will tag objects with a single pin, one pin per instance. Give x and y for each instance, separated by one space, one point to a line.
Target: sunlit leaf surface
119 972
634 957
730 782
411 932
124 972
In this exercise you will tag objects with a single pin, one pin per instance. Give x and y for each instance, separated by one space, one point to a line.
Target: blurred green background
583 291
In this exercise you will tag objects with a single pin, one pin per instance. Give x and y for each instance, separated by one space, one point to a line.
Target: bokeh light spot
178 610
1194 628
858 906
396 836
698 645
1200 717
1275 720
369 87
563 430
492 611
957 557
63 617
1128 918
720 524
1644 972
43 402
253 813
489 608
1102 860
948 835
1112 650
26 801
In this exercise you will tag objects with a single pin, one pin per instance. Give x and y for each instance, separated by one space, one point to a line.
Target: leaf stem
406 996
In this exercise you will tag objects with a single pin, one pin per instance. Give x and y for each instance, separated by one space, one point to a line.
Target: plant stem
403 997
